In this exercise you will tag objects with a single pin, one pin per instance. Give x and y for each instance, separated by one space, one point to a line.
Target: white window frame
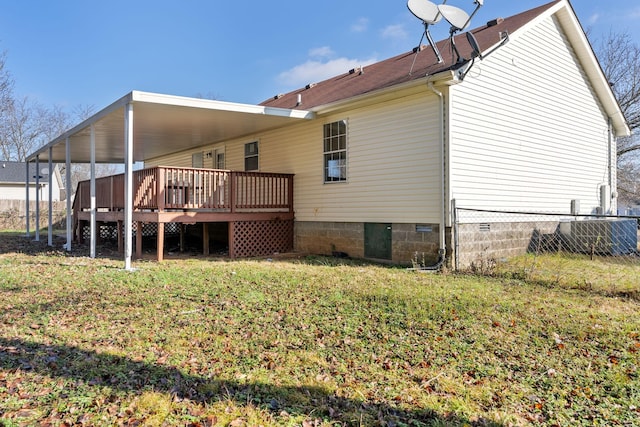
256 156
197 160
335 143
219 151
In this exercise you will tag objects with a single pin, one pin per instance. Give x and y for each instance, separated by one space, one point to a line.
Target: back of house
393 144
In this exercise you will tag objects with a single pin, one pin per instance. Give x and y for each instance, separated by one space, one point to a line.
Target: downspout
442 251
612 168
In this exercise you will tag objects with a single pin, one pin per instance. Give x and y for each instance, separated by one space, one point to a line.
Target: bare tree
6 101
23 128
619 57
6 85
26 125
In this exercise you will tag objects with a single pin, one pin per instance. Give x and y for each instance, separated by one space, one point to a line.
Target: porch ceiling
164 124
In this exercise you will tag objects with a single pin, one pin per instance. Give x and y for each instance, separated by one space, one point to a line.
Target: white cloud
314 71
360 26
321 52
396 32
593 19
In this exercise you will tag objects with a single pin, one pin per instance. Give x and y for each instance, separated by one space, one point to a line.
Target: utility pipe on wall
612 167
442 251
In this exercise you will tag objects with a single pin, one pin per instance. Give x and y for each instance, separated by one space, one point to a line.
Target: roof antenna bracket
504 39
429 14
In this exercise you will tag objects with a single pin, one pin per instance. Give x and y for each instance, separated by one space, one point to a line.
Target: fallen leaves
300 344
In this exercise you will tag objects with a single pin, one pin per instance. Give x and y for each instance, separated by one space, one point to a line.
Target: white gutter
448 77
232 107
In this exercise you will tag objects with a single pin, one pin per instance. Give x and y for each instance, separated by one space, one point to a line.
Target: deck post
138 240
160 242
37 177
120 237
205 238
128 185
68 191
92 194
232 248
26 208
232 191
50 222
290 193
111 193
182 237
78 231
160 196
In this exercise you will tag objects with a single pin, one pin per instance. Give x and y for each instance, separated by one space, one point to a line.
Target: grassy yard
304 342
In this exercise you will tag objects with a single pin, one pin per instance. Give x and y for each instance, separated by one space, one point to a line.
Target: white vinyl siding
527 132
18 192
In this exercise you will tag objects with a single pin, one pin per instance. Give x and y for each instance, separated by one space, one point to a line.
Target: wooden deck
257 206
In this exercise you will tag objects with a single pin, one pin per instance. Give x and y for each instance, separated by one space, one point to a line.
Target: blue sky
78 52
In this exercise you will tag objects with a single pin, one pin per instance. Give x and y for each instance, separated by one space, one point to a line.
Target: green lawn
304 342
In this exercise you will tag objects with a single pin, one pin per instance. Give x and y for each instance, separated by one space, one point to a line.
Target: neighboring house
13 179
380 153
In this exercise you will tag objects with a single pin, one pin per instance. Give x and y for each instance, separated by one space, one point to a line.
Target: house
370 162
13 176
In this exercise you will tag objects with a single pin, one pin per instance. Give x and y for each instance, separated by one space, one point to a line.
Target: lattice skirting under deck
261 238
109 231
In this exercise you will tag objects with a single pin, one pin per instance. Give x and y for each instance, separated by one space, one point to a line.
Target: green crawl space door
377 240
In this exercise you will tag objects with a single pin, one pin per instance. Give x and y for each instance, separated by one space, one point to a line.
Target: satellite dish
477 53
458 18
425 10
44 171
429 14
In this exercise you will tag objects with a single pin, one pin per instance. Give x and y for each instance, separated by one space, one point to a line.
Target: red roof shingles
396 70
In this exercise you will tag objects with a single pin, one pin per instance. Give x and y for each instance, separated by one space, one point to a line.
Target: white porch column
37 198
92 251
50 219
68 190
128 184
27 214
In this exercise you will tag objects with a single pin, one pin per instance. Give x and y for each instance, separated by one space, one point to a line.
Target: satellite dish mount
429 14
477 52
459 20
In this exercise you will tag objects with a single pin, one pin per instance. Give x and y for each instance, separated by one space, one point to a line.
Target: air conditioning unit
604 237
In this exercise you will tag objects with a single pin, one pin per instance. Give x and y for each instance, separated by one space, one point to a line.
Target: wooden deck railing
170 188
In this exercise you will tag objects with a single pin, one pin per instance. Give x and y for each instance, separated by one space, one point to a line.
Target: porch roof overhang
162 125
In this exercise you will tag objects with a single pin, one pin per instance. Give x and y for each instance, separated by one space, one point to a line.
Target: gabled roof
398 70
402 70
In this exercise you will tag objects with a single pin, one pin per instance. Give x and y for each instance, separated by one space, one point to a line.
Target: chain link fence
582 251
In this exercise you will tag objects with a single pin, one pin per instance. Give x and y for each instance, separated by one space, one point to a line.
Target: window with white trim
197 160
251 156
218 159
335 151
